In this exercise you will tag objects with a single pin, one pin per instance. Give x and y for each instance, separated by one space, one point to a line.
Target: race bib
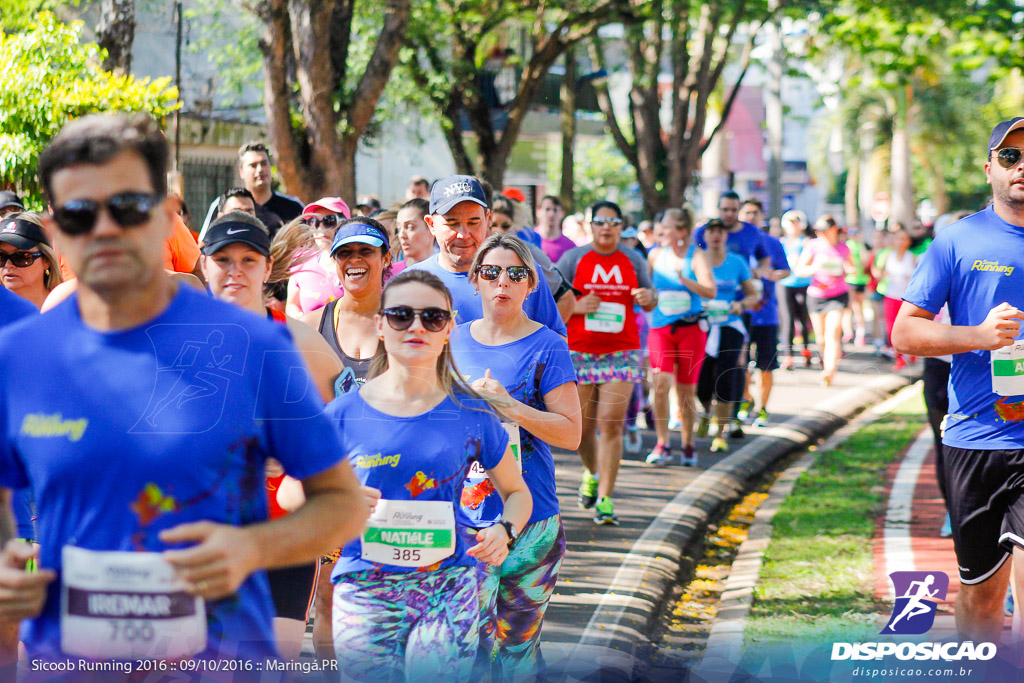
609 317
477 471
408 533
672 302
718 311
833 267
127 605
1008 370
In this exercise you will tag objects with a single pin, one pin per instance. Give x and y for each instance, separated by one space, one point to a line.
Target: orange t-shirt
181 253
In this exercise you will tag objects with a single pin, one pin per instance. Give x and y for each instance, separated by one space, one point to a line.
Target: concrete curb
623 619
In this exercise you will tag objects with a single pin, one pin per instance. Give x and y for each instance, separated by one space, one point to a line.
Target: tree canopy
50 77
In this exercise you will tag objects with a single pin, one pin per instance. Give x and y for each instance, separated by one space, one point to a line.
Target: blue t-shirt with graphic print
422 458
140 430
973 266
528 368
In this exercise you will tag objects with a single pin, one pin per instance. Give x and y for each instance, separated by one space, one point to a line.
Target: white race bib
609 317
1008 370
674 302
477 471
127 605
409 533
718 311
832 266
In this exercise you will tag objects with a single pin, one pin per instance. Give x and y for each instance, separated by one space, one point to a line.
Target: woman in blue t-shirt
405 594
525 371
735 292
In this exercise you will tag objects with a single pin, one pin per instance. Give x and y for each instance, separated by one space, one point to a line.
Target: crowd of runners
180 493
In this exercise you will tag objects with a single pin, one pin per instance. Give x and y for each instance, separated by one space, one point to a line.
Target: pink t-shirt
829 277
555 248
316 286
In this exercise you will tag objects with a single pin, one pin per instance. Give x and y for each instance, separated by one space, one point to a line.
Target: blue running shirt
768 313
422 458
143 429
12 309
729 279
673 294
528 369
539 305
748 241
975 265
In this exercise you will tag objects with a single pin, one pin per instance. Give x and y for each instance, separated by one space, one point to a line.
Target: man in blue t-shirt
976 268
744 238
460 221
145 431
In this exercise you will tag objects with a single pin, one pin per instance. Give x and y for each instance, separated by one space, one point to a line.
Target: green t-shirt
858 252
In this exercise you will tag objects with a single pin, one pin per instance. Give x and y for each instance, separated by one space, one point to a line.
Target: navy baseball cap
455 189
22 234
360 232
224 232
8 198
1003 129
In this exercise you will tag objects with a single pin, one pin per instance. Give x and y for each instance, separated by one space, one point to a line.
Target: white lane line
899 553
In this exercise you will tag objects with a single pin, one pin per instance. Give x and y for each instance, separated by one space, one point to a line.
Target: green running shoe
588 491
606 512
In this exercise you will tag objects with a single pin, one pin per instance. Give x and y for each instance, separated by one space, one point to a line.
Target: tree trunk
850 194
937 184
568 125
116 33
902 191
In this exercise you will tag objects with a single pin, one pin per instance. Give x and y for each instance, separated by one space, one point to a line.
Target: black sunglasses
606 221
1008 157
128 209
20 259
330 222
492 273
401 317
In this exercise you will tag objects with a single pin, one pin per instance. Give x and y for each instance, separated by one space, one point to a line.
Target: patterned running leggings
416 626
513 599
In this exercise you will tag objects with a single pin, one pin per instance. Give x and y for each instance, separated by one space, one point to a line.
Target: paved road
595 553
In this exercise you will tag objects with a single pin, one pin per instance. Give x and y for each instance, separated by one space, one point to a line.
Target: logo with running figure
917 594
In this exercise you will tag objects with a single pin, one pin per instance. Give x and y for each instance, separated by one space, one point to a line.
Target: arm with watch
494 541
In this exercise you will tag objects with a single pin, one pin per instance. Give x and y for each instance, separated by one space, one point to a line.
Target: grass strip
817 580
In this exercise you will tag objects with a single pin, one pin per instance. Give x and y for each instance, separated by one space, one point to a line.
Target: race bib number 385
125 605
407 533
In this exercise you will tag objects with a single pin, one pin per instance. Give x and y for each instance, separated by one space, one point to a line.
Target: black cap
1003 129
8 198
220 235
22 234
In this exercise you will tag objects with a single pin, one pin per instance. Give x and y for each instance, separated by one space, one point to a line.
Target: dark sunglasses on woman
401 317
327 222
19 259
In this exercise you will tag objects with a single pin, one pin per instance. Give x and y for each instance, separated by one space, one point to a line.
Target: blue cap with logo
455 189
1003 129
360 232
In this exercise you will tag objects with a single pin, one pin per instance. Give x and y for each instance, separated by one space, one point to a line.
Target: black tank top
356 369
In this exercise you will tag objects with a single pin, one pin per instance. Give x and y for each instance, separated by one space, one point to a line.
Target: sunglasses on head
128 209
401 317
1008 157
19 259
492 273
614 222
328 222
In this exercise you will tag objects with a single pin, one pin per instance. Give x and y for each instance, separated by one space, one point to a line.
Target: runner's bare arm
323 364
561 425
21 594
704 286
335 511
916 332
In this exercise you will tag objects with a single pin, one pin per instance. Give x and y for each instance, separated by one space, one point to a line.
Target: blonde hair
504 240
293 245
448 376
52 275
